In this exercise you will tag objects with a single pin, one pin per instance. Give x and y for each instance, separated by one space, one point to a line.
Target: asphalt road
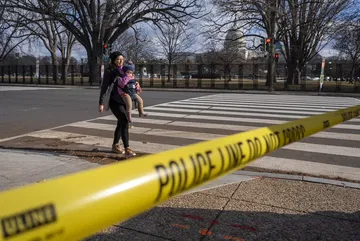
334 152
24 111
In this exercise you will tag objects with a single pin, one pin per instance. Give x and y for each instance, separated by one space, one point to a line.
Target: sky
79 51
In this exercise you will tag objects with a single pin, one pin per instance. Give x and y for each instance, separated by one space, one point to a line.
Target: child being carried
131 92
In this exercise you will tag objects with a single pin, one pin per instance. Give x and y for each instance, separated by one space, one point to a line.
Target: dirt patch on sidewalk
89 153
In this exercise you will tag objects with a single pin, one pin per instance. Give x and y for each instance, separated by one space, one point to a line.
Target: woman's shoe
117 149
129 153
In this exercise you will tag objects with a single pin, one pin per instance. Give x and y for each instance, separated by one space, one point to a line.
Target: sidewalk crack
5 178
221 211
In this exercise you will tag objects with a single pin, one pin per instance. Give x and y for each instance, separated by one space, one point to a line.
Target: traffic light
276 57
267 44
105 49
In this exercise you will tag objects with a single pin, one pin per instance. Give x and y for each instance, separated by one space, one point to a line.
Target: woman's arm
104 86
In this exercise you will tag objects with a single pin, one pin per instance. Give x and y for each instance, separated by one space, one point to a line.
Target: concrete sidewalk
18 168
240 206
258 209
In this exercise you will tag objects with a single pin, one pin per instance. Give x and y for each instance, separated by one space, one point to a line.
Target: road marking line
258 106
228 113
241 109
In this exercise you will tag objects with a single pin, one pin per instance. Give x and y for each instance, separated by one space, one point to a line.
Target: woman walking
110 97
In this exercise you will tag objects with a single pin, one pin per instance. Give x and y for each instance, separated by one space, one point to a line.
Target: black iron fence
249 76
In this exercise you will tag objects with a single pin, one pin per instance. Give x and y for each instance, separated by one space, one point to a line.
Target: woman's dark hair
114 55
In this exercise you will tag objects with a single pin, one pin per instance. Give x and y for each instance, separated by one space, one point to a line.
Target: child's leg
128 102
140 105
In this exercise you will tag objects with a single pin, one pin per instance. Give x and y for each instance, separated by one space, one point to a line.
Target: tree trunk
169 71
352 72
271 59
55 64
297 76
67 62
290 73
94 63
270 77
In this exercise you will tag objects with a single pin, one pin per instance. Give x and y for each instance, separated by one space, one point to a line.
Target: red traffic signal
105 46
267 44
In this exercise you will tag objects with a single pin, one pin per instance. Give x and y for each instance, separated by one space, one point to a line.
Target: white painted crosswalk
334 152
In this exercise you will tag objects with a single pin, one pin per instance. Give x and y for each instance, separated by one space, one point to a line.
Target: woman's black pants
122 127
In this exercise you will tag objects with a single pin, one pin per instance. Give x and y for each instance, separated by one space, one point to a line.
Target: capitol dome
234 39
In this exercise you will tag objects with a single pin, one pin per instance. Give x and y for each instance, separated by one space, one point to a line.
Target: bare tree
66 42
173 41
347 42
254 18
11 34
54 37
303 27
135 45
95 23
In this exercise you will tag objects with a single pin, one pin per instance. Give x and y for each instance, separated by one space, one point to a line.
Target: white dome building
234 39
235 42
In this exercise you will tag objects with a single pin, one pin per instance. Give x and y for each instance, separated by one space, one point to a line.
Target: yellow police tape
78 205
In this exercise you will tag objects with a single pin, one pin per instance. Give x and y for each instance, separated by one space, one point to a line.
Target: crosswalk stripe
186 110
270 103
289 99
254 106
213 126
187 106
175 110
242 109
221 118
205 117
311 103
266 97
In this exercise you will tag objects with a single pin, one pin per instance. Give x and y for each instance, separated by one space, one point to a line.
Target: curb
300 178
51 86
311 93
